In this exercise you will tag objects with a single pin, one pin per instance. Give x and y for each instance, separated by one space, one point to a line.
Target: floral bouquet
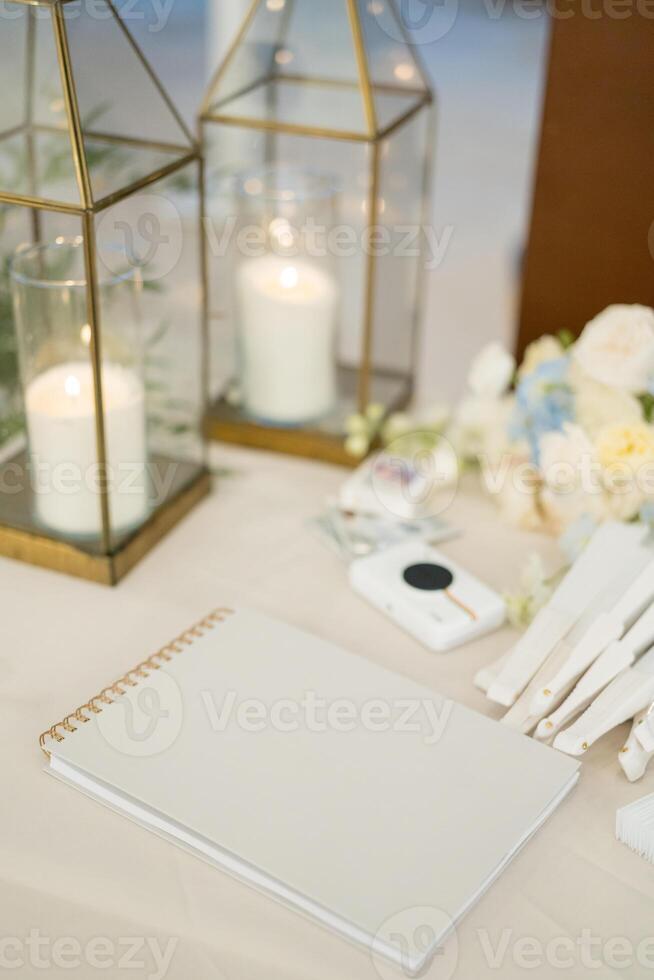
566 438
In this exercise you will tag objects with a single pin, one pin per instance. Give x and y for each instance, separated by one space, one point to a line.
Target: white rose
563 456
617 347
491 371
598 405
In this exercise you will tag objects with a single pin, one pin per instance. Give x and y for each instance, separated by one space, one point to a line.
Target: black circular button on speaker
428 577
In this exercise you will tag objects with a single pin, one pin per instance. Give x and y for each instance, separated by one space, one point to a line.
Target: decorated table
83 889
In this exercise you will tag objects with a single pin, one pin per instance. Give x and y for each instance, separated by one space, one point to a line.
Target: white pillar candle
287 314
60 410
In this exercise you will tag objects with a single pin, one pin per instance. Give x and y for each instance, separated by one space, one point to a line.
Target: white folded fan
520 715
633 758
645 733
623 699
486 675
611 551
607 619
553 682
387 801
616 659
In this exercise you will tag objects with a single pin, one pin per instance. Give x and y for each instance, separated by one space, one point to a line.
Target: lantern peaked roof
91 122
343 69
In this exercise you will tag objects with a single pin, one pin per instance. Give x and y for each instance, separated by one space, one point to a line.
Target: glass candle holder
61 395
328 87
104 375
287 296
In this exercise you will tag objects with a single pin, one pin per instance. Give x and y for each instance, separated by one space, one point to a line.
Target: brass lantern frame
226 422
111 563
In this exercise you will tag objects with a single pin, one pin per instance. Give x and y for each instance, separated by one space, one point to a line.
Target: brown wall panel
590 242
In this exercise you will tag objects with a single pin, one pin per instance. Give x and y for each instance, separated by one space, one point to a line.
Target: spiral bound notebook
347 791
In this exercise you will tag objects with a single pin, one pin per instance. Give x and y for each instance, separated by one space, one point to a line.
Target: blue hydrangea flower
544 402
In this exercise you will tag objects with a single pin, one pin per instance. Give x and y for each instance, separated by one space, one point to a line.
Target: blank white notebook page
356 793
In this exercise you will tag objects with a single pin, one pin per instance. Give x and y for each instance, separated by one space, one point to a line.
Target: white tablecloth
70 869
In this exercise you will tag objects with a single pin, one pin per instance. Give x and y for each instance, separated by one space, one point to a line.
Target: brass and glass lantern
102 337
317 133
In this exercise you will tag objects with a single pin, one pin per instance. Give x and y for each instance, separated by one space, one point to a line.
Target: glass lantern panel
15 229
152 238
317 42
296 65
36 156
230 151
19 225
395 75
403 249
57 470
129 130
13 66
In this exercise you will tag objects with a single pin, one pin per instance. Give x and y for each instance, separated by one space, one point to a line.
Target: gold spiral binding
131 679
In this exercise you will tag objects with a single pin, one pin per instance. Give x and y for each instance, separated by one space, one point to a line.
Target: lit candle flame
289 277
72 386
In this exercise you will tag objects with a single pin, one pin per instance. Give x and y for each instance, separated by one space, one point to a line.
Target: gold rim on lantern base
106 569
322 441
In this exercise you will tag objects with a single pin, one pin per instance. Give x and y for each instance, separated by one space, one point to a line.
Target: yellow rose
626 454
630 444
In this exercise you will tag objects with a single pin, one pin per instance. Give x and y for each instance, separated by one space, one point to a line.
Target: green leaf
647 401
567 339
